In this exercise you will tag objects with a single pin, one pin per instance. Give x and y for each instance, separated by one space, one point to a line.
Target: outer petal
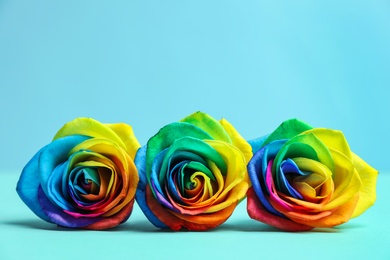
287 130
89 127
126 134
209 125
176 221
237 139
368 176
140 195
336 217
236 181
28 185
36 173
258 212
257 168
59 217
206 221
114 220
333 139
345 174
257 143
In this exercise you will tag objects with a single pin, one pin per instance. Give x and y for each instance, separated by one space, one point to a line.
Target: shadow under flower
254 226
134 226
34 224
246 225
144 226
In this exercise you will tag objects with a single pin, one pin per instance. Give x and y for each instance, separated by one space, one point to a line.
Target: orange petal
258 212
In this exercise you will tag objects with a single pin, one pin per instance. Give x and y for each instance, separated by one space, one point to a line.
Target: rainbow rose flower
85 178
304 177
192 173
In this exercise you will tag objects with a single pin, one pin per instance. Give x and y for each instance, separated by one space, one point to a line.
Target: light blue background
149 63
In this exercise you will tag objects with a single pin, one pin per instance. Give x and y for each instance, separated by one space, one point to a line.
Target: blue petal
61 218
55 153
257 169
289 166
257 143
28 184
55 192
38 170
140 196
155 171
174 174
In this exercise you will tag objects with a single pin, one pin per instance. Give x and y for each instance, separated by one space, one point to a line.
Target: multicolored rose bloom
85 178
192 173
304 177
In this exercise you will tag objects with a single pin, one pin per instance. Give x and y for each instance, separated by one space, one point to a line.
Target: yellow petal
318 184
333 139
207 124
126 134
220 186
236 179
104 147
346 181
368 176
93 128
237 139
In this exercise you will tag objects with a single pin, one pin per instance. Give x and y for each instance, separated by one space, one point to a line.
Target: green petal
166 136
287 130
195 146
333 139
209 125
305 146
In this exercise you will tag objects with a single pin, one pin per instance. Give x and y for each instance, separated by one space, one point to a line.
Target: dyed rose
192 173
304 177
85 178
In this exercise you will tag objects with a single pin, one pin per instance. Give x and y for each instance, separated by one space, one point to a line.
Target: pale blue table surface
25 236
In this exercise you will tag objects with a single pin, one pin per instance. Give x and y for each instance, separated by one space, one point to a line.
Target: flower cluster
193 173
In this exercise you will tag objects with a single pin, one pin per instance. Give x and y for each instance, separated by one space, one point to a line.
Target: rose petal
257 143
237 139
333 139
346 181
126 134
257 169
140 195
236 179
287 130
167 135
59 217
89 127
209 125
55 187
28 184
306 146
368 177
335 217
176 221
114 220
193 145
258 212
220 184
55 153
